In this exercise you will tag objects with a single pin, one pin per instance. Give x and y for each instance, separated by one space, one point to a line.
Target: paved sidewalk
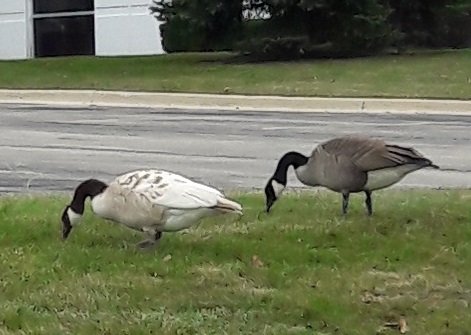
235 102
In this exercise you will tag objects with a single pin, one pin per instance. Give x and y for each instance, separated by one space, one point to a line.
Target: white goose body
159 199
155 201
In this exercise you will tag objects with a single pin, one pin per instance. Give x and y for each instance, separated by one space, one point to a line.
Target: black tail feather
411 155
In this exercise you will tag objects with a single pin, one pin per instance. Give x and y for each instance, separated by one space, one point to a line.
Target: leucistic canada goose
150 201
349 164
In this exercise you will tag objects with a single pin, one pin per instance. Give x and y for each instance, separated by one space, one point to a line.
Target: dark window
64 36
56 6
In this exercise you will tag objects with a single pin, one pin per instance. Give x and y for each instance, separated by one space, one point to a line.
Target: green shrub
177 38
313 28
198 25
277 48
455 29
363 35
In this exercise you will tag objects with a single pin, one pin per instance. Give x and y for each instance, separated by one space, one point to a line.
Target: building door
63 27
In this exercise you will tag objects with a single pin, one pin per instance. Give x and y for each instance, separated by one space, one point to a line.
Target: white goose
151 201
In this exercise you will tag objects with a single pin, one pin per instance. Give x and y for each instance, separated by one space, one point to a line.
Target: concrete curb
234 102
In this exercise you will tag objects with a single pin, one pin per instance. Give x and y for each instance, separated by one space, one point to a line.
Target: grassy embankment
313 272
426 75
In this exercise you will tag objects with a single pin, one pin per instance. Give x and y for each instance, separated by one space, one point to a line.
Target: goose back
356 163
160 200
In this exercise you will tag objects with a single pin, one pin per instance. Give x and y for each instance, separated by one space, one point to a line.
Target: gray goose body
348 164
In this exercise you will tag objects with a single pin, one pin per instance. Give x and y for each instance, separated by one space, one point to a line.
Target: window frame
34 2
58 15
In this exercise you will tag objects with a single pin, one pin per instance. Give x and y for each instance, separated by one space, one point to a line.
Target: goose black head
277 183
273 191
73 213
69 219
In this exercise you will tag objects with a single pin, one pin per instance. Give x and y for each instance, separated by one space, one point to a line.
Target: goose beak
66 229
65 232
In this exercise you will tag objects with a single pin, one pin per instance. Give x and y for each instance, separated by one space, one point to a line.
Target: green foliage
357 27
314 28
432 23
455 26
197 25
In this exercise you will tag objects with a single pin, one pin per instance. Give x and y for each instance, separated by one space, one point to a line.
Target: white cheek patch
74 218
277 187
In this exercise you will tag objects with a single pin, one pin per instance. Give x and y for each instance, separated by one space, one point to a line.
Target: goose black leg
346 196
369 206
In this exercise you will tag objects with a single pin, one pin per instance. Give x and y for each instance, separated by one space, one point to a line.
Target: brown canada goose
150 201
348 164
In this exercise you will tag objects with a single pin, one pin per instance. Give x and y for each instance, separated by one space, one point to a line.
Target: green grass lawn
319 273
426 75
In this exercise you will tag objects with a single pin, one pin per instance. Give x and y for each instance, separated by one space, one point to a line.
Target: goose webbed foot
146 244
152 242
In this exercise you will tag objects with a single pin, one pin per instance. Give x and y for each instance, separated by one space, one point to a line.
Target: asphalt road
53 149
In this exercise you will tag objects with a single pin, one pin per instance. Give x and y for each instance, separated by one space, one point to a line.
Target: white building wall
122 27
125 27
14 26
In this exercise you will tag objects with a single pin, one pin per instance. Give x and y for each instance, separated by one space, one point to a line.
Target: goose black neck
292 158
88 188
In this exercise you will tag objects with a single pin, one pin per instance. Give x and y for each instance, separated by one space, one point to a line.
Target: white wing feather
167 189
